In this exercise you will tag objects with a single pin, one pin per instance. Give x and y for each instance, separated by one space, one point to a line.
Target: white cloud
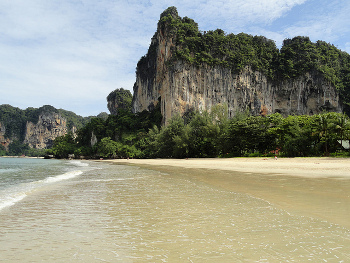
327 22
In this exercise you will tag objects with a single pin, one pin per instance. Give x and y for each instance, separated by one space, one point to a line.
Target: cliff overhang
193 70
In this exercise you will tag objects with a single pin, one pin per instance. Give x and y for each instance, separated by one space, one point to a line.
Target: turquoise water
78 211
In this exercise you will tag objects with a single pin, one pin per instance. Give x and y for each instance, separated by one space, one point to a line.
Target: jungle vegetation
15 119
208 134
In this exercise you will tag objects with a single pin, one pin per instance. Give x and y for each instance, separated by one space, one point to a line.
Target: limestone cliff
37 127
42 134
184 86
3 140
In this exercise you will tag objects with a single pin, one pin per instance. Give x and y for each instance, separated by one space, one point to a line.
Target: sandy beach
207 210
313 187
304 167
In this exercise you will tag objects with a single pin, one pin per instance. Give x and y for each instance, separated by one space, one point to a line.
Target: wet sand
313 187
164 213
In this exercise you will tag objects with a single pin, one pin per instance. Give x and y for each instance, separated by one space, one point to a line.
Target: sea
87 211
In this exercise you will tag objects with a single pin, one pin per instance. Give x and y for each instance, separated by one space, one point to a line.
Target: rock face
184 87
41 135
3 140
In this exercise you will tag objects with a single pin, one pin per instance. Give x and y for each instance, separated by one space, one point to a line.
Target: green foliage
217 48
300 55
245 135
32 152
121 98
208 134
2 151
17 148
296 57
202 136
74 120
64 145
121 135
102 115
213 134
14 120
166 139
107 147
32 114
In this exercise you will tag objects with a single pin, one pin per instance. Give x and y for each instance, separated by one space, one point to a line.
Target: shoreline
312 187
311 167
29 157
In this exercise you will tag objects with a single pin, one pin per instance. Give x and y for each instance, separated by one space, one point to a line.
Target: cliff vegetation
124 134
208 134
18 127
119 99
296 57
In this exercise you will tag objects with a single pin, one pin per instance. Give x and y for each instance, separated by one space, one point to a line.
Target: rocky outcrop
183 87
119 99
48 127
3 140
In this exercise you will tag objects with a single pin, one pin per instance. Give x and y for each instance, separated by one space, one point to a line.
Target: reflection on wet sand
166 214
316 187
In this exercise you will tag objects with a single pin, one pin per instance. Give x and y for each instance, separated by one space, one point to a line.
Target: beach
313 187
196 210
302 167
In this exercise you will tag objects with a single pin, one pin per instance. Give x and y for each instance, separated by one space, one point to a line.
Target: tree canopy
119 99
15 119
208 134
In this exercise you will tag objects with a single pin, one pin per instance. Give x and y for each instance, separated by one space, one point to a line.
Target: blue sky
72 53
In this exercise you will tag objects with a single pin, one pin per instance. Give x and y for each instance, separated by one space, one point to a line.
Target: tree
342 127
119 99
165 141
107 148
324 126
17 148
202 136
2 150
64 145
294 136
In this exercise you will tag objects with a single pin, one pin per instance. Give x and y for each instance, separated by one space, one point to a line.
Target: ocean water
22 176
78 211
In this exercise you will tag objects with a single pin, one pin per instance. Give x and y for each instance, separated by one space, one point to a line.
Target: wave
11 196
62 177
79 163
11 200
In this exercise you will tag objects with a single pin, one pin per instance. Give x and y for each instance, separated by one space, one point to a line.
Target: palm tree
323 128
342 126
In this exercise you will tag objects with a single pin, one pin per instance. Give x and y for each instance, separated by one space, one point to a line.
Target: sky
72 53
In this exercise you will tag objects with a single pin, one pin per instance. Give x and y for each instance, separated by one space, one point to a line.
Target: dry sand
305 167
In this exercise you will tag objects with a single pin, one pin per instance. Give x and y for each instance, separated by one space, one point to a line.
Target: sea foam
79 163
11 200
65 176
11 196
